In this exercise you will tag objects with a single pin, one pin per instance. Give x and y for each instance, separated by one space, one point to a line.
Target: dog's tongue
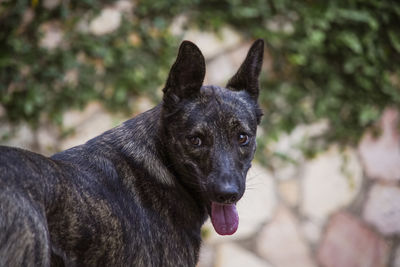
224 218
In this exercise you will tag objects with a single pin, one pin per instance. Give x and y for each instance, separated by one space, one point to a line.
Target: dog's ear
246 78
186 75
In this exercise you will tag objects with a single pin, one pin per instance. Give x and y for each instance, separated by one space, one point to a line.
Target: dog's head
210 131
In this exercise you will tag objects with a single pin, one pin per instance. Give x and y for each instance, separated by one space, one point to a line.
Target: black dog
137 195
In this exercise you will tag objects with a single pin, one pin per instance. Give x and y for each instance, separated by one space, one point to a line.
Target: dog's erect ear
246 78
186 75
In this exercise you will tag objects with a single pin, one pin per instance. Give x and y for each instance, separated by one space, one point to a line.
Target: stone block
382 209
281 242
289 191
381 155
106 22
232 255
330 181
349 242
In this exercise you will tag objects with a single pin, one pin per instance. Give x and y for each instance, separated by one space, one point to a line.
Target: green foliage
34 80
334 60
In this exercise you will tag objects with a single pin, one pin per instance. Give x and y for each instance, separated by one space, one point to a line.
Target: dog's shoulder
20 162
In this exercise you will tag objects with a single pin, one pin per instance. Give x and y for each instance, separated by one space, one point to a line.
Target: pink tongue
224 218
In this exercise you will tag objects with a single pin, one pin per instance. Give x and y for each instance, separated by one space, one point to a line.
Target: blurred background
325 186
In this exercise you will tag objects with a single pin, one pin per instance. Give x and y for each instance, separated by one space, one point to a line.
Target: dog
138 194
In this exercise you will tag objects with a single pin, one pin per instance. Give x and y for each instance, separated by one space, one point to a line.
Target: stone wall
341 208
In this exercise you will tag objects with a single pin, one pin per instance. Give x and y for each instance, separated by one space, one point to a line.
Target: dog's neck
140 140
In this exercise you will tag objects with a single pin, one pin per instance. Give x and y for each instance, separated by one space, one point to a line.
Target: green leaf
394 39
317 37
351 40
368 115
297 59
359 16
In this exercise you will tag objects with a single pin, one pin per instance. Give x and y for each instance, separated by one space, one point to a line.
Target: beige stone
223 66
43 140
98 124
212 44
349 242
142 104
289 191
74 118
51 4
220 70
20 136
381 155
178 24
47 138
281 24
52 35
330 181
289 145
125 6
281 243
382 209
88 123
231 255
206 256
311 231
108 21
71 77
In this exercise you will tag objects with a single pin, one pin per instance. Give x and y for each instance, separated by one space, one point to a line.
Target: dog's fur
138 194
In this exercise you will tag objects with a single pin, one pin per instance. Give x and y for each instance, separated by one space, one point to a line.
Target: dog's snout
227 193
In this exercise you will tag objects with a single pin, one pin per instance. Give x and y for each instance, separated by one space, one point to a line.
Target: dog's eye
195 140
243 139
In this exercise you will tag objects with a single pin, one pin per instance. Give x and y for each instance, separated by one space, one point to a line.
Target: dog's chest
157 242
121 233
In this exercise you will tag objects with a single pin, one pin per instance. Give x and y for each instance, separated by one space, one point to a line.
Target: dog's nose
227 193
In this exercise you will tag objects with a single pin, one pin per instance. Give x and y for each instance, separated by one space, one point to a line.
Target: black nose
227 193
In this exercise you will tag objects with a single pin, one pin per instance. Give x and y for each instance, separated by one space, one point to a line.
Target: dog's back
24 232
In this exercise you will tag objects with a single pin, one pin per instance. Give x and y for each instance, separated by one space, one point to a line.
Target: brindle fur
138 194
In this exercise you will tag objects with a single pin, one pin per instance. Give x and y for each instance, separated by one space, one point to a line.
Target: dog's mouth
224 218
